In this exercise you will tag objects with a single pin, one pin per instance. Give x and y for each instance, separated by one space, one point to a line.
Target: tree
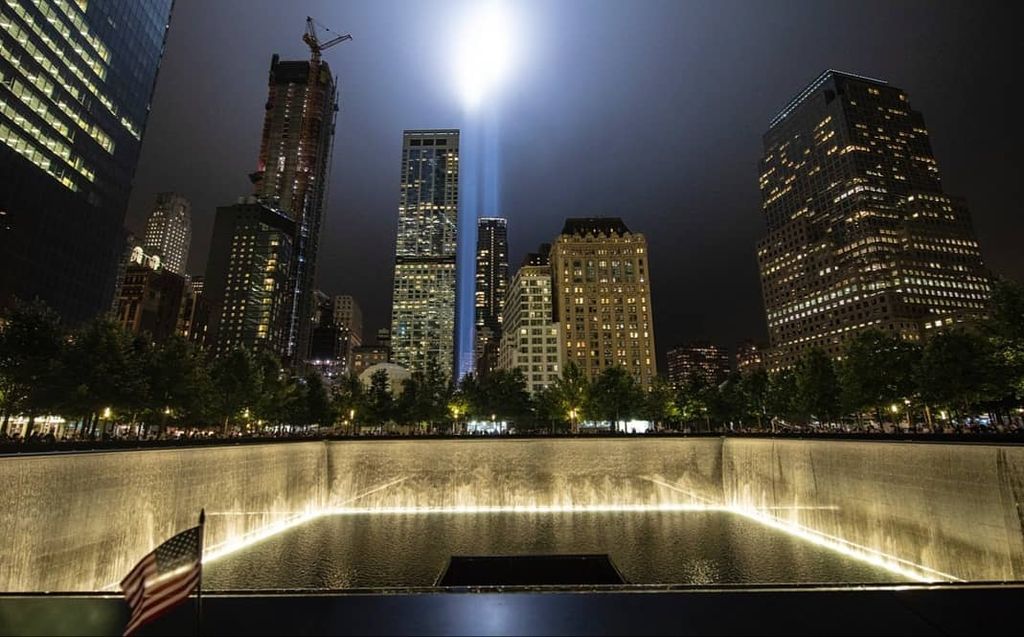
780 400
279 397
956 370
349 400
549 409
106 372
817 388
178 382
379 401
1005 330
318 408
615 396
573 391
696 399
754 385
237 382
30 348
659 405
877 370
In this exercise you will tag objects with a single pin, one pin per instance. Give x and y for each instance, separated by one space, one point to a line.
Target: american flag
164 578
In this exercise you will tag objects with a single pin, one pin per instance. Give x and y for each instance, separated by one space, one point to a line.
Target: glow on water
898 566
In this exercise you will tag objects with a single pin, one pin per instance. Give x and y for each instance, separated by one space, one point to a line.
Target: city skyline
716 215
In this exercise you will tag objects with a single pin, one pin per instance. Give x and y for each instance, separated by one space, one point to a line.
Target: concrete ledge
931 610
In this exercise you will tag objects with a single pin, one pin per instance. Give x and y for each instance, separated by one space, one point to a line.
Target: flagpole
199 585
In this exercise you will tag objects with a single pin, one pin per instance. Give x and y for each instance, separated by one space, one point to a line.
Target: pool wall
79 521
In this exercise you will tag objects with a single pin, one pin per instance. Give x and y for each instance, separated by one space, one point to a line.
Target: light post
352 421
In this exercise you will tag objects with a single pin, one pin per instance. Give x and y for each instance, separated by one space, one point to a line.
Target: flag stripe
164 577
137 587
161 602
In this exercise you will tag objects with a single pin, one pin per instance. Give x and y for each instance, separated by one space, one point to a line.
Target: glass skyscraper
491 285
860 232
423 301
76 79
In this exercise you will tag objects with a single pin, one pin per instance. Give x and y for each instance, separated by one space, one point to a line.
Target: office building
423 299
292 174
76 80
531 340
860 233
169 231
698 362
366 356
247 278
194 318
491 285
349 315
749 356
150 297
603 297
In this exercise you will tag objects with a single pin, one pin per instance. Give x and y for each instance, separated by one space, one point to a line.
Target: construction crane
314 43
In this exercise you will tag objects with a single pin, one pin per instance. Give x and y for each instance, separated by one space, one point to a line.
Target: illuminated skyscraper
169 231
423 302
530 340
704 362
294 162
76 79
603 297
248 277
860 233
491 284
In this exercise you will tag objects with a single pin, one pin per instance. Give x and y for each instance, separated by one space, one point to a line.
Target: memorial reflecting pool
657 547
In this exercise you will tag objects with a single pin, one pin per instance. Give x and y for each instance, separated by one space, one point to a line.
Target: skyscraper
292 173
860 233
491 284
423 302
531 340
349 315
603 297
76 79
702 361
169 231
248 278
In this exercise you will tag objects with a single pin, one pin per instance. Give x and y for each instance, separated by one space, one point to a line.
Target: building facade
76 80
169 231
292 173
860 232
150 297
194 318
749 356
603 297
424 293
349 315
248 278
491 286
531 340
700 362
366 356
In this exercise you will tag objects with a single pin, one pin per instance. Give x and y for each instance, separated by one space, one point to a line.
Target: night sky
652 111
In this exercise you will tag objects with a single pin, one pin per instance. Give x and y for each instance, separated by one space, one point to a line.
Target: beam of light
899 566
484 51
526 509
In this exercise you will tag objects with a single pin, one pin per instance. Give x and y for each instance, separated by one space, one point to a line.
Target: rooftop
583 226
815 85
